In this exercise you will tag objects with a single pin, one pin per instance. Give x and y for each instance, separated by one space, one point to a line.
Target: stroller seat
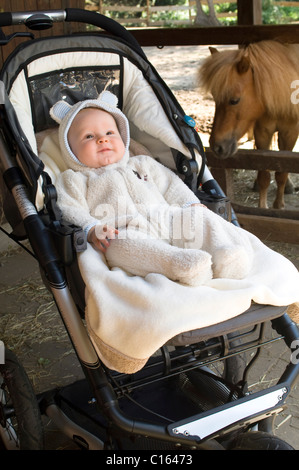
127 319
254 315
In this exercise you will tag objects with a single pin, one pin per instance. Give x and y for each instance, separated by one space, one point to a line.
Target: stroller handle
45 19
23 17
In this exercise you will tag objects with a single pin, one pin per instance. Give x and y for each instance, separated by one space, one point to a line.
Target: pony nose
225 148
219 149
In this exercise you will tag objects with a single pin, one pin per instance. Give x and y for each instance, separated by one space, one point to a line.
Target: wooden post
249 12
190 3
148 13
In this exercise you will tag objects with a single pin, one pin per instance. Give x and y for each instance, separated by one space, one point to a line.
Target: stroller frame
225 408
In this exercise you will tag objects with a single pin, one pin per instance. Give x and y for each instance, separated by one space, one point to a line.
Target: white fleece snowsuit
160 230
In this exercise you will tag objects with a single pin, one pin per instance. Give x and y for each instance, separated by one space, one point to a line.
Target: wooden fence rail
271 224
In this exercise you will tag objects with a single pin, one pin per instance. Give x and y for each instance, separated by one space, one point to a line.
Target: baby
133 209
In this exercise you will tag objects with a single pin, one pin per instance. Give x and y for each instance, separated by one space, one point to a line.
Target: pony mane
274 65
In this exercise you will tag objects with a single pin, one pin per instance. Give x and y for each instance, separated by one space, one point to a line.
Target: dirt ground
29 322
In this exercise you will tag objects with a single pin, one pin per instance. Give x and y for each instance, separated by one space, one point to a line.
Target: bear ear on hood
108 98
59 110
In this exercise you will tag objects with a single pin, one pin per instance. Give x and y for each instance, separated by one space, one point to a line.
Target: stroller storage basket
194 392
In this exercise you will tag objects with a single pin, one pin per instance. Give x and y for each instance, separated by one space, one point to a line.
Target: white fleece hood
64 114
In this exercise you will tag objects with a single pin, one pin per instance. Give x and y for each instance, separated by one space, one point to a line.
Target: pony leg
263 181
281 180
263 132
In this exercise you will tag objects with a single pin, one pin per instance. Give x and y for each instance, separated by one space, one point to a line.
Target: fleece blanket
130 317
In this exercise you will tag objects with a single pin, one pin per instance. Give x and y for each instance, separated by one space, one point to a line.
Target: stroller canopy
39 73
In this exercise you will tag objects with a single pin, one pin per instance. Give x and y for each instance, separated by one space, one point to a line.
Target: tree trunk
206 19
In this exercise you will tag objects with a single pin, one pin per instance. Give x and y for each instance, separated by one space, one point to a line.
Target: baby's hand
100 236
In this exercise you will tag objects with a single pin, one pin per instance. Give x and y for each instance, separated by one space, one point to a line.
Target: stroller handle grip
22 17
46 18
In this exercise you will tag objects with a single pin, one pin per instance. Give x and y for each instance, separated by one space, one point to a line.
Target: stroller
193 392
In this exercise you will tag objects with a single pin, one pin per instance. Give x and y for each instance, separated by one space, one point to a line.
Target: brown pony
254 88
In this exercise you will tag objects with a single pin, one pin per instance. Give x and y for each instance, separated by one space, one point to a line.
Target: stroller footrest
243 411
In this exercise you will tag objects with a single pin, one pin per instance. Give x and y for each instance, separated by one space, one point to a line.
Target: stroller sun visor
50 72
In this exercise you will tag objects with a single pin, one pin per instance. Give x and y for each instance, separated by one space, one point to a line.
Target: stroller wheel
258 440
20 420
211 390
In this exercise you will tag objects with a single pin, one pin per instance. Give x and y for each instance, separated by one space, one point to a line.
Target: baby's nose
102 140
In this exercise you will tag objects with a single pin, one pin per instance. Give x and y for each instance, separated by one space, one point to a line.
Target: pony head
248 84
228 76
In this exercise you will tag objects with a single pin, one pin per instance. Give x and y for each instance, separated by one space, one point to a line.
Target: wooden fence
270 224
146 16
143 15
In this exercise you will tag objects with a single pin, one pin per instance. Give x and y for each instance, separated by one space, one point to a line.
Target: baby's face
94 138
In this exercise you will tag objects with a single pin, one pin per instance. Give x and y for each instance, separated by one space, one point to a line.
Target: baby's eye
89 136
109 133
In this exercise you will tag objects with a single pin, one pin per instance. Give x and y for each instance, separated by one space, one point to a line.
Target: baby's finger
112 234
103 245
105 242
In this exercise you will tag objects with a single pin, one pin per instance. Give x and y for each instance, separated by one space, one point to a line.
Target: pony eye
234 101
